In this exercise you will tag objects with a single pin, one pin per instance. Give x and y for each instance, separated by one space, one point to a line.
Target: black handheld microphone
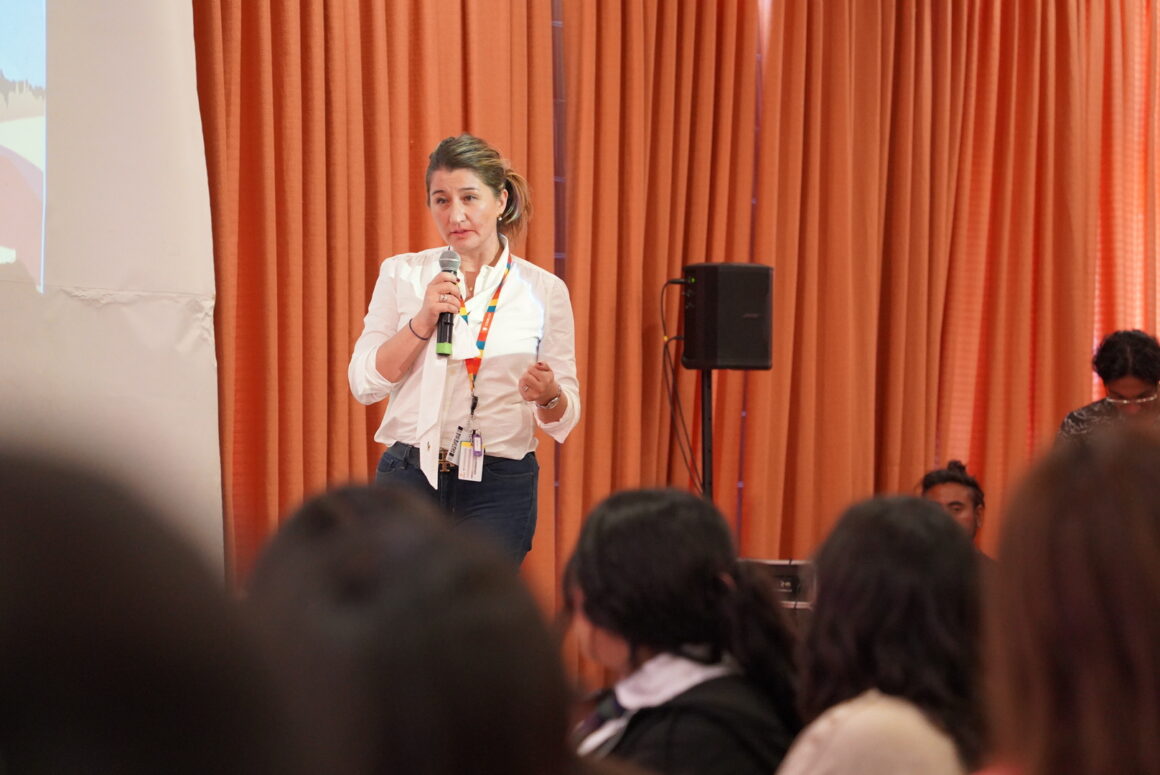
448 262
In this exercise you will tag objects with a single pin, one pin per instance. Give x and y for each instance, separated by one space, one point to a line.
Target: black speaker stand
707 434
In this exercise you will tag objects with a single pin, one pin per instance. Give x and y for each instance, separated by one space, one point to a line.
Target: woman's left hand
539 384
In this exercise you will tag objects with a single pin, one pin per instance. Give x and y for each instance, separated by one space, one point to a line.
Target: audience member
1128 363
410 648
1074 619
889 661
698 642
119 651
958 493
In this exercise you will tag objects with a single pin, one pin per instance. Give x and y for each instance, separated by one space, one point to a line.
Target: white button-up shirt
533 322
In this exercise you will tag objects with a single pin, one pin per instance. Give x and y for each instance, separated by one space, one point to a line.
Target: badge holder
470 451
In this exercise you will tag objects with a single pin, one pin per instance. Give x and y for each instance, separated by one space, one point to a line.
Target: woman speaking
475 348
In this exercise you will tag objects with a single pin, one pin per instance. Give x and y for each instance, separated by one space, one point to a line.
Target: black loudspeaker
728 316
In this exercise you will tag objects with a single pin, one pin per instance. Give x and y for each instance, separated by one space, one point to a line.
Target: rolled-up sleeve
558 350
379 325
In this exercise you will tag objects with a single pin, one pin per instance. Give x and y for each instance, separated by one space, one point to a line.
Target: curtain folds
1019 314
318 119
1123 104
660 153
957 199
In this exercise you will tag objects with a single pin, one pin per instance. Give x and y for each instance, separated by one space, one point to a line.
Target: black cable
675 397
676 409
681 430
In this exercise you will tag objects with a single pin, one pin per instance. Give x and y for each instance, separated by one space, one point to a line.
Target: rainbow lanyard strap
484 329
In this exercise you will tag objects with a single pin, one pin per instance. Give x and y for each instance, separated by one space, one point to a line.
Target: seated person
1128 363
120 651
958 493
1074 618
890 657
698 641
410 647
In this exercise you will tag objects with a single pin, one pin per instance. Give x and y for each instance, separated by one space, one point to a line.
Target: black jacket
724 726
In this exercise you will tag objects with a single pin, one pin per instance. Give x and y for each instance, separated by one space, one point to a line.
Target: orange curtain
927 203
318 117
1123 70
956 197
825 167
659 171
1019 309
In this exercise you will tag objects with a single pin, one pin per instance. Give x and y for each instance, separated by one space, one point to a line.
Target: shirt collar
665 676
491 269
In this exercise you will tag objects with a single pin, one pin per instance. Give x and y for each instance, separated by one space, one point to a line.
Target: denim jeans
501 506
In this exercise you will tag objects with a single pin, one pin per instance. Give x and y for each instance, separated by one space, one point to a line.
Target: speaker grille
728 316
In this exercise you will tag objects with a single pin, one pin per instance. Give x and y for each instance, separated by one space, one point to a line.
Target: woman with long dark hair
698 641
890 658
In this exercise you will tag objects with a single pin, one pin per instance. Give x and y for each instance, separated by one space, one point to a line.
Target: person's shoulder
416 258
408 265
727 711
1082 421
683 735
875 714
733 700
877 733
729 689
1096 411
543 283
536 273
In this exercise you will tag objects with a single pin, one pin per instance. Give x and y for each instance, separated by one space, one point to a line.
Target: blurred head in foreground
119 650
410 648
1074 624
896 611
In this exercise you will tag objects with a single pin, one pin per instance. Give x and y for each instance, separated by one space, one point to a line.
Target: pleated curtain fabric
957 199
318 117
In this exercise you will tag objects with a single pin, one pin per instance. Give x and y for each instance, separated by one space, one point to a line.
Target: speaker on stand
728 325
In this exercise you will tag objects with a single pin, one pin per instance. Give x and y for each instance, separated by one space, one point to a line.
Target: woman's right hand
442 295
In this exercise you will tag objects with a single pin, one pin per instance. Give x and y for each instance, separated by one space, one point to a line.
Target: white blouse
533 322
872 734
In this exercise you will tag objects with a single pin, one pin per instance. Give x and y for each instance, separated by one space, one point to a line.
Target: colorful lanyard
484 329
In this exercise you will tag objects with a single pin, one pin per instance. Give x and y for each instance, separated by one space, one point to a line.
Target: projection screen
106 333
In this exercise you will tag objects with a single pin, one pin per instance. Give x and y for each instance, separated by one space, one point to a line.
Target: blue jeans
501 507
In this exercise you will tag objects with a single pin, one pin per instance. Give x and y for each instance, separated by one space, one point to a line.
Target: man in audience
958 493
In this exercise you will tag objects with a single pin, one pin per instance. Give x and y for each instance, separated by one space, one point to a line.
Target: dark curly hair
954 473
659 569
897 609
1131 353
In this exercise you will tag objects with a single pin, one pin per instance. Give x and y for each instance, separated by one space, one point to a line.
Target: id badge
470 463
456 444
